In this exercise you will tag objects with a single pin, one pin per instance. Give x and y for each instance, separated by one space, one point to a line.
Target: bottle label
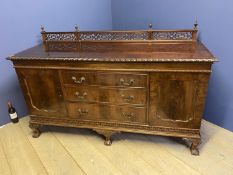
13 116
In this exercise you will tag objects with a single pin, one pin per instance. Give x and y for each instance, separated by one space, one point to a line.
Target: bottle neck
9 105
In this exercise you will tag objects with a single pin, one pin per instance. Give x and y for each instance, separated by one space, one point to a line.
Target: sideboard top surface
200 54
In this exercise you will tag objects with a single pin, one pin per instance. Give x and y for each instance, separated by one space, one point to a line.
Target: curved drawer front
106 95
84 111
104 79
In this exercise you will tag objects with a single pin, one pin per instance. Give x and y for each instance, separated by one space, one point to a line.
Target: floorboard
155 155
212 157
4 166
54 156
70 151
121 156
19 152
85 153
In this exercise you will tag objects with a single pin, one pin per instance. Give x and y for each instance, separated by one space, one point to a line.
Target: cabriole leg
107 134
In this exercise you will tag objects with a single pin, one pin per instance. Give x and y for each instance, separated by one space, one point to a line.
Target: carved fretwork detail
107 134
112 36
172 35
35 129
69 36
119 35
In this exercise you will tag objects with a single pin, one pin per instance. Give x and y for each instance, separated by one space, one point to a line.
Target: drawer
101 112
104 79
107 95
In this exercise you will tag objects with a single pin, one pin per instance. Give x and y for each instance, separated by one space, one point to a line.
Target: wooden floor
80 151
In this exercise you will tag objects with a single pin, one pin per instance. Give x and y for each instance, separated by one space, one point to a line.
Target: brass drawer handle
82 112
128 116
127 98
79 96
130 83
80 81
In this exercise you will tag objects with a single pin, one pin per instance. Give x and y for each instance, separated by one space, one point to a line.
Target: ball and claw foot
194 147
36 133
108 142
107 134
35 130
195 151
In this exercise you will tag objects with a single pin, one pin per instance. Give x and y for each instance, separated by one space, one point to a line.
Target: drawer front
107 95
101 112
104 79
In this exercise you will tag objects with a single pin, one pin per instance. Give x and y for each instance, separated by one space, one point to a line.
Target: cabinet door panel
177 99
42 91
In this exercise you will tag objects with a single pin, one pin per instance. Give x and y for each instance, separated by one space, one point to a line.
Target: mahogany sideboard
146 81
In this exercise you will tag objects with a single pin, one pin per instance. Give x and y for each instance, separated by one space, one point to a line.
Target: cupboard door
177 99
42 91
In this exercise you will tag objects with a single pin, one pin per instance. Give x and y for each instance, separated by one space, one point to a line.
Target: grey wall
20 29
215 31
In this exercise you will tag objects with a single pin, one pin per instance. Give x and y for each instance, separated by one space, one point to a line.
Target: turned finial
150 26
195 25
76 28
42 28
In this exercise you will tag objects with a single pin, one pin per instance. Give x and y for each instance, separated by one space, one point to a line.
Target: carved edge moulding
214 59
